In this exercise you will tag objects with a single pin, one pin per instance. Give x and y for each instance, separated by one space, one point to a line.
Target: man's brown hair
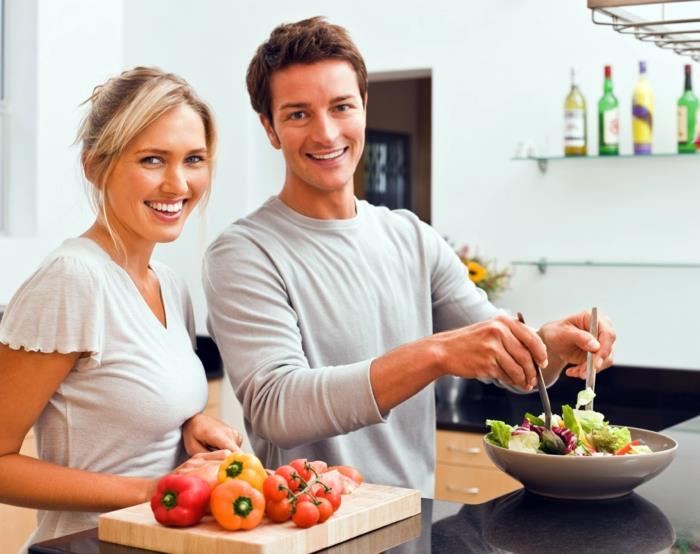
305 42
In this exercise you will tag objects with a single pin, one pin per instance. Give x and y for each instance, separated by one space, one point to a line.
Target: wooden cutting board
369 507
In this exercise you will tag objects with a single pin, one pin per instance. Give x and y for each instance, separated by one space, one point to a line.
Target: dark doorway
396 168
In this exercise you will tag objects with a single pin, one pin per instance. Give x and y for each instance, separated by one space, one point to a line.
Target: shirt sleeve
457 302
58 309
257 332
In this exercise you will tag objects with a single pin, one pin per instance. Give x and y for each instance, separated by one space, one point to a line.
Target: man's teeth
328 156
161 207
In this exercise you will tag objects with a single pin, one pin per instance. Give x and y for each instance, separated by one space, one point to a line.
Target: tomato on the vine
302 467
279 511
325 510
305 514
310 493
332 496
290 475
275 487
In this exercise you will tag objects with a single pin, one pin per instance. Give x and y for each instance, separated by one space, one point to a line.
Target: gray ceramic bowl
586 477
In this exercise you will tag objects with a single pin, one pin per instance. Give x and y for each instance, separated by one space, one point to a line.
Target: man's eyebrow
298 105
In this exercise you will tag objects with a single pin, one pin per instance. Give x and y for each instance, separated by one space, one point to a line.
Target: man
333 316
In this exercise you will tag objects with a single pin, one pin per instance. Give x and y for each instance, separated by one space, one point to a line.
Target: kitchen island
661 515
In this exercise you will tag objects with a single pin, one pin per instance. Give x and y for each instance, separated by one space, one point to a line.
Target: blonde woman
96 346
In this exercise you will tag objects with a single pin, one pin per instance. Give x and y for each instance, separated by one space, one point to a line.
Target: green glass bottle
574 120
687 116
608 119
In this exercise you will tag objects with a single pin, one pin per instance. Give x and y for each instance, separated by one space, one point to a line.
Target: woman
96 346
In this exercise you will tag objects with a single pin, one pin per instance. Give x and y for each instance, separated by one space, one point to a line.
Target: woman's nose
175 180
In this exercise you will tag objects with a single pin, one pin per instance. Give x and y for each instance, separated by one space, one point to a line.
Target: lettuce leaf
525 442
535 420
610 439
584 397
570 421
500 432
589 420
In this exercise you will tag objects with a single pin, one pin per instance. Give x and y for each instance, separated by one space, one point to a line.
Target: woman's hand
203 433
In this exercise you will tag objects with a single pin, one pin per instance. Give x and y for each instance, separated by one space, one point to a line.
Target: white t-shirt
120 410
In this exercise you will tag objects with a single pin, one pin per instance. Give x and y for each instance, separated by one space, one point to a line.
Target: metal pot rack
681 36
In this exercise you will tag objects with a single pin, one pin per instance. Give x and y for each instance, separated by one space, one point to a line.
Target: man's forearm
406 370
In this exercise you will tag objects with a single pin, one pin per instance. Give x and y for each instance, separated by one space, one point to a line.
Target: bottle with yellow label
642 113
574 120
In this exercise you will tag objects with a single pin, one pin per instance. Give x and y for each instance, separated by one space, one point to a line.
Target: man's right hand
501 348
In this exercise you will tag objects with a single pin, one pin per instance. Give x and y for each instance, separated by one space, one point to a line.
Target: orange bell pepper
235 504
246 467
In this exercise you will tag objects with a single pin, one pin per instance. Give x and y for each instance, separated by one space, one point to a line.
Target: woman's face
159 178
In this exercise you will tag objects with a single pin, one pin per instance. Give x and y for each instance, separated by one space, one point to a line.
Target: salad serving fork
590 369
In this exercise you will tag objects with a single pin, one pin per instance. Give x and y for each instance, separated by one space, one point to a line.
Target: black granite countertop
663 515
649 398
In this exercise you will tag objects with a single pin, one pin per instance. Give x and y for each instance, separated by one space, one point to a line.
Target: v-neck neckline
143 302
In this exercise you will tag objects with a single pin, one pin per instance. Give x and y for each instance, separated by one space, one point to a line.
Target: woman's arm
27 382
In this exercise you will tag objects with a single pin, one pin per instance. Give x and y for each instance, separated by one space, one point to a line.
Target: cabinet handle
467 490
470 450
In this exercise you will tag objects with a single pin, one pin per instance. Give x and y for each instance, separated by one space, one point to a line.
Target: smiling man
333 316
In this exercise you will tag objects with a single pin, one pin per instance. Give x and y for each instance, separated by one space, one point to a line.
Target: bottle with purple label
642 113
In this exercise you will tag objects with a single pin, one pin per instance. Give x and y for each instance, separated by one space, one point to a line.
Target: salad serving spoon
551 442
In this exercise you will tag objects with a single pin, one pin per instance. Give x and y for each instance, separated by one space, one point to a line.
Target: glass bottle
574 120
608 119
642 113
687 116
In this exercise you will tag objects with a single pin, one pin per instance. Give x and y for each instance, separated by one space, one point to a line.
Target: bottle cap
608 72
642 67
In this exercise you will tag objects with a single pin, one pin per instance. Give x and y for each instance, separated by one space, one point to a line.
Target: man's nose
325 129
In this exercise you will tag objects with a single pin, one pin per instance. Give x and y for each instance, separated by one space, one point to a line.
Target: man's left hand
568 341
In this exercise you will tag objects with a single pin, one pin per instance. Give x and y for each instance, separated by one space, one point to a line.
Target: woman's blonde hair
119 110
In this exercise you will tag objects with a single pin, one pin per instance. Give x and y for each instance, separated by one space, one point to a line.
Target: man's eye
151 160
296 116
343 107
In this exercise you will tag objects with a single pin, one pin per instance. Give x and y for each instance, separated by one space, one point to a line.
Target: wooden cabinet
464 473
16 524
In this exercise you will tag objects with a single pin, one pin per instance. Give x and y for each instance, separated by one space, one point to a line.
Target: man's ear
270 132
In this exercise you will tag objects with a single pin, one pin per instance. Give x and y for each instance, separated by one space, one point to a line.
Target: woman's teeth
328 156
162 207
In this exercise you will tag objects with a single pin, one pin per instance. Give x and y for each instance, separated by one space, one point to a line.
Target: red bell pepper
625 449
180 500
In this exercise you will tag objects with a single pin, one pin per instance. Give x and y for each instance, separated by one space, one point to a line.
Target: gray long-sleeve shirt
299 308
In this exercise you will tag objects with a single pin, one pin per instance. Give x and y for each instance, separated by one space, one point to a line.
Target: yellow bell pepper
243 466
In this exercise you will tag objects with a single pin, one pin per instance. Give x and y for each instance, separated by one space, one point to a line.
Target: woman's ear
270 132
88 167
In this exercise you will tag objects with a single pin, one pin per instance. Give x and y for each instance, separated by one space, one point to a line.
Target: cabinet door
471 484
16 524
461 448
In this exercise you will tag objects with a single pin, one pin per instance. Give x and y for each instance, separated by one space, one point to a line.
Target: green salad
582 433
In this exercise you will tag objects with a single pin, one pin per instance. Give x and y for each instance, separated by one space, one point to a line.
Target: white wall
500 73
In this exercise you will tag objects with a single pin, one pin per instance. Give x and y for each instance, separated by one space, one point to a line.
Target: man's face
319 124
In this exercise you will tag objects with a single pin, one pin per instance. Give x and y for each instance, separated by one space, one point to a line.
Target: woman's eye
151 160
194 159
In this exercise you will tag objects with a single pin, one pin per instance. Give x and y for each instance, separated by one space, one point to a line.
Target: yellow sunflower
477 272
